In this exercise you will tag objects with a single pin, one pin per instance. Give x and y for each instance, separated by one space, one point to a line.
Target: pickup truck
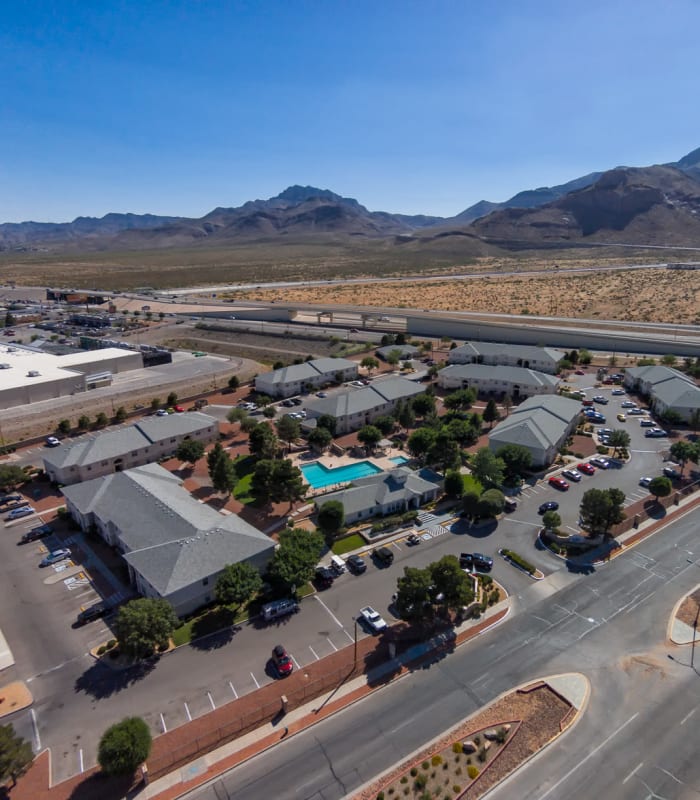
374 621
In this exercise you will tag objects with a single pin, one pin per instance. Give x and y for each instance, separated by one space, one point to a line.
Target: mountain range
639 205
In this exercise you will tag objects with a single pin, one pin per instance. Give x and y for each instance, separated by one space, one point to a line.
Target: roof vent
33 373
5 366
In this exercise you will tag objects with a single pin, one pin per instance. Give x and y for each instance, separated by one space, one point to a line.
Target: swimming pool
319 476
398 460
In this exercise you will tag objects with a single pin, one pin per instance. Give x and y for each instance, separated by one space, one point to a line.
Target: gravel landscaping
689 610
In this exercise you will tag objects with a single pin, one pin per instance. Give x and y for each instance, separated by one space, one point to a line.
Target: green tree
319 438
294 561
369 363
190 451
451 584
491 412
262 481
405 416
660 486
454 484
414 595
600 509
288 483
9 319
462 431
101 420
268 412
331 518
171 399
423 404
155 403
669 360
420 442
237 583
487 468
124 746
445 452
584 357
143 625
551 520
327 421
672 418
236 415
64 426
491 503
262 441
369 436
233 383
248 424
619 440
461 400
288 429
15 754
120 414
83 422
11 476
683 452
507 403
223 476
384 424
517 459
470 502
393 357
216 454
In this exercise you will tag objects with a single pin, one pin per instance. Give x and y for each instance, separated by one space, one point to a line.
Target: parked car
321 394
579 372
54 557
384 556
600 399
587 403
621 418
586 468
475 561
617 392
282 662
93 612
10 498
550 505
655 433
323 578
356 564
647 423
572 475
52 441
18 513
374 621
279 608
558 483
287 403
413 539
636 411
672 473
297 401
161 412
628 404
40 532
645 481
600 462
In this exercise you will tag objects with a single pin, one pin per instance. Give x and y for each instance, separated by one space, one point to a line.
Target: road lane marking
634 771
162 723
590 755
211 700
80 760
639 602
688 716
314 652
255 680
187 710
35 729
331 614
235 694
331 644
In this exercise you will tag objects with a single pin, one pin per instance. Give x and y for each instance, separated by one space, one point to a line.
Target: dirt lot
632 295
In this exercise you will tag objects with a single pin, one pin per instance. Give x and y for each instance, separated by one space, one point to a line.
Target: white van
337 565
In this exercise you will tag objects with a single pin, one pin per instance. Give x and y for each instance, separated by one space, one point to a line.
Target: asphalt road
609 625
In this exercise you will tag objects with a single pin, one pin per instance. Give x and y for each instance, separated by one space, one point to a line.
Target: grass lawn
345 545
244 469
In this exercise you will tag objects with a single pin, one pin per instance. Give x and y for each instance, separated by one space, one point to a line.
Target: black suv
40 532
475 561
356 564
91 613
384 556
323 578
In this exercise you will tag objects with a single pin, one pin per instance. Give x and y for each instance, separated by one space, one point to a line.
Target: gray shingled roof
654 374
112 444
406 350
538 421
483 372
525 351
677 392
309 369
358 401
173 540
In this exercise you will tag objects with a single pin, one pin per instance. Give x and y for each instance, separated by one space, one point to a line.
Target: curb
673 616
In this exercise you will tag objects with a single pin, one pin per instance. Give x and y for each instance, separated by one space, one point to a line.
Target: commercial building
298 378
174 546
539 424
667 390
517 382
543 359
28 375
148 440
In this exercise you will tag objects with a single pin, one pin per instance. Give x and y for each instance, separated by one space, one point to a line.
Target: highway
635 740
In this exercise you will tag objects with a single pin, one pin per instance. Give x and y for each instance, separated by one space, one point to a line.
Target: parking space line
211 700
162 722
80 759
396 546
187 709
348 635
235 693
255 680
332 615
35 729
314 652
331 644
296 663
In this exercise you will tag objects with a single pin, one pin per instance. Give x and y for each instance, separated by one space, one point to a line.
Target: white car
601 463
618 392
628 404
572 475
52 441
644 481
373 619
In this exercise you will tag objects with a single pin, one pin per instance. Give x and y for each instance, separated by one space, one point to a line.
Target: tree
331 518
83 422
9 319
672 418
420 442
414 595
683 452
491 503
64 426
190 451
237 583
491 412
584 356
143 625
233 383
517 459
454 484
171 399
15 754
268 412
124 746
288 429
668 360
487 468
120 414
618 440
11 476
401 338
236 415
101 420
328 422
450 584
470 502
384 424
551 520
600 509
289 483
406 416
216 454
369 436
223 475
461 400
155 403
393 357
294 561
445 452
248 424
369 363
262 441
423 404
507 403
319 438
660 486
462 431
261 481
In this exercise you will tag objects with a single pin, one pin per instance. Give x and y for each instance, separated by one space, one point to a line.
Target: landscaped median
521 563
683 625
472 758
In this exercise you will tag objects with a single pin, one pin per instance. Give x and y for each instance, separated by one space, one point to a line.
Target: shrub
477 740
404 779
456 788
481 755
472 771
101 650
380 796
501 735
458 771
414 771
520 561
436 760
111 643
425 765
445 765
391 790
457 747
406 790
421 781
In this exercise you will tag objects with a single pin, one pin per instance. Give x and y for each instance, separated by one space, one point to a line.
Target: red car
179 409
586 468
558 483
579 372
283 663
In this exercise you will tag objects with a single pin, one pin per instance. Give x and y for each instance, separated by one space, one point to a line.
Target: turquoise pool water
319 476
398 460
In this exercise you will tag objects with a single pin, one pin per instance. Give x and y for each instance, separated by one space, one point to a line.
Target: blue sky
417 107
